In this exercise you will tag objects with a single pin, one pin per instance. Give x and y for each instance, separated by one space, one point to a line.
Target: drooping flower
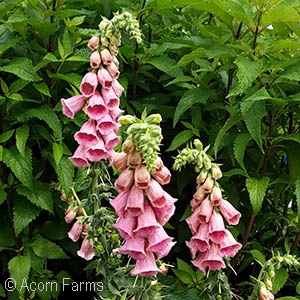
75 232
86 250
230 214
89 84
145 266
73 105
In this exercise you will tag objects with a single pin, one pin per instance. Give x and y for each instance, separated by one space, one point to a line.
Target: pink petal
89 84
73 105
146 266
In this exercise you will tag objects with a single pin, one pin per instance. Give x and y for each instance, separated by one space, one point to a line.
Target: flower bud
198 145
119 161
93 43
208 185
142 176
269 284
106 56
216 171
95 60
128 146
126 120
134 159
103 24
153 119
202 176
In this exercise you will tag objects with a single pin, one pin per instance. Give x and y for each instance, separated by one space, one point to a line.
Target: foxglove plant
211 241
142 205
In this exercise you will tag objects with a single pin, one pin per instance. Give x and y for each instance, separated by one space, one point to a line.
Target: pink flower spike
125 226
95 60
75 232
119 203
87 135
96 107
111 140
230 214
193 220
229 246
72 105
163 176
79 158
146 222
117 87
110 98
216 196
146 266
201 239
89 84
216 227
97 152
135 247
142 176
135 201
119 160
164 215
205 210
113 70
105 124
86 250
156 194
212 259
93 43
104 78
124 181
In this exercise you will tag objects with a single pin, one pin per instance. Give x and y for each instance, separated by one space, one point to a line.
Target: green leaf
258 256
279 280
253 110
24 213
189 98
22 134
240 144
248 71
287 298
298 288
4 137
65 171
183 276
291 72
47 249
4 86
22 67
57 152
182 265
257 190
40 195
188 58
8 44
180 139
290 137
42 88
19 267
2 291
19 164
297 194
2 196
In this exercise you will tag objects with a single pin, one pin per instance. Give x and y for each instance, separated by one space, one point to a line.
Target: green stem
78 201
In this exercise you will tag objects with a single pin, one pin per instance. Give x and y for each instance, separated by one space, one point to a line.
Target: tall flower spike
211 241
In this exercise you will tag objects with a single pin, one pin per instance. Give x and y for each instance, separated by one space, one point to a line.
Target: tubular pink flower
104 78
119 161
146 266
212 259
164 215
135 201
115 112
162 176
87 135
201 238
229 246
106 56
110 98
199 195
79 158
193 220
216 227
70 215
208 185
125 225
75 232
124 181
119 203
96 107
72 105
113 71
193 248
134 158
117 87
97 152
93 43
142 176
230 214
95 60
205 210
216 196
198 262
135 247
105 124
156 194
86 250
111 140
89 84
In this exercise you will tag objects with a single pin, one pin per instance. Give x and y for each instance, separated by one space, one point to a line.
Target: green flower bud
100 248
154 119
114 237
100 230
198 145
126 120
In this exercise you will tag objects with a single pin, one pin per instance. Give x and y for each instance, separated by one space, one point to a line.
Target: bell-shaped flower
73 105
228 211
146 222
193 220
89 84
106 56
194 204
142 176
87 135
111 140
75 232
119 161
70 214
193 248
201 238
119 203
205 210
160 243
199 195
125 224
93 43
96 107
212 259
156 194
124 181
208 185
105 124
79 158
117 87
113 70
110 98
216 196
198 262
163 175
145 266
216 227
135 247
164 214
86 250
134 158
97 152
115 112
135 201
229 246
95 60
104 78
158 164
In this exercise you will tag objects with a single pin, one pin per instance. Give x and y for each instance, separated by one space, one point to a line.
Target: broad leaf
292 72
57 152
181 138
258 256
183 276
65 171
5 136
280 278
195 54
22 134
257 190
240 144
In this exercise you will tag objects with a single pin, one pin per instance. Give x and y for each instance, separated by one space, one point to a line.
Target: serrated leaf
22 134
65 171
182 265
8 44
19 268
290 137
297 194
39 195
253 110
42 88
257 190
180 139
183 276
189 98
240 144
19 164
291 72
279 280
258 256
57 152
5 136
24 213
21 67
248 71
47 249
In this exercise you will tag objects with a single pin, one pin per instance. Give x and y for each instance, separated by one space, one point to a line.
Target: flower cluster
142 206
211 240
